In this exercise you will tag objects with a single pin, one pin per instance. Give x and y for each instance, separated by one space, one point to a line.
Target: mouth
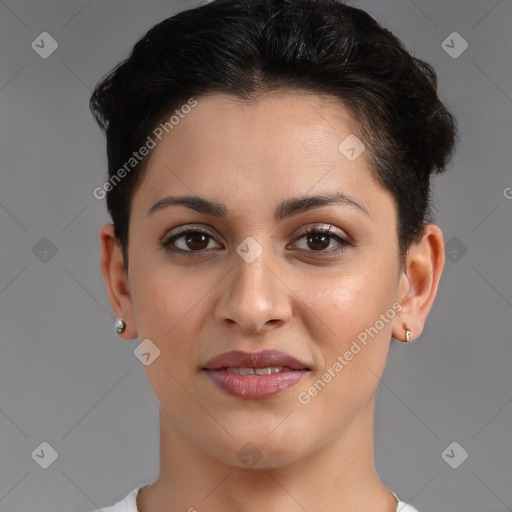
255 375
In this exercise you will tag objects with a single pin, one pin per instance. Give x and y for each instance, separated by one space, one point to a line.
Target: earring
407 332
120 326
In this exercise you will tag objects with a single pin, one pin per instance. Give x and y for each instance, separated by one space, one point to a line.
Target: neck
338 476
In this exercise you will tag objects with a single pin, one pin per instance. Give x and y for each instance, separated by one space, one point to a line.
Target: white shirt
129 504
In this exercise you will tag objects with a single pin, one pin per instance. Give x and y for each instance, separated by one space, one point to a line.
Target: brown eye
189 242
319 239
196 241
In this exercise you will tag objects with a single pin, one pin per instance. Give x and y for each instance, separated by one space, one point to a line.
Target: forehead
281 119
281 144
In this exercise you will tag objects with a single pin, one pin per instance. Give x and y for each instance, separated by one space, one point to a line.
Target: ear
419 281
116 280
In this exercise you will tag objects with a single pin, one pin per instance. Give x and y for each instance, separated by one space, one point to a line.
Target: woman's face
249 280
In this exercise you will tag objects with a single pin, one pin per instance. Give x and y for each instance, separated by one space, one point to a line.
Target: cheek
352 343
171 307
353 314
164 295
350 300
168 309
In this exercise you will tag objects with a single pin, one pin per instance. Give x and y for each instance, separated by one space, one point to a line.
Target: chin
260 451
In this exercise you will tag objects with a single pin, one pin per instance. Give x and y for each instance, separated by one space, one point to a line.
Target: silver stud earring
120 326
408 332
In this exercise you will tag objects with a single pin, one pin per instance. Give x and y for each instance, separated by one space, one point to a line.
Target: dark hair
248 47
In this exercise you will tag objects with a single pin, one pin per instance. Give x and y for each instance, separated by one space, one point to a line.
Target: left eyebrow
298 205
285 209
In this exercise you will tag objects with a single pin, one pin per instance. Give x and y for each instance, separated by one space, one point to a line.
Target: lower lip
255 387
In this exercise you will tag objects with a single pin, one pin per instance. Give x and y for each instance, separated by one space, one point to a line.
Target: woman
269 184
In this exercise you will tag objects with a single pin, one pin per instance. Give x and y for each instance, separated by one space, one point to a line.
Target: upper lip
263 359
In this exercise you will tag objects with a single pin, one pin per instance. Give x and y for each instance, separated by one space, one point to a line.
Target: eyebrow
285 209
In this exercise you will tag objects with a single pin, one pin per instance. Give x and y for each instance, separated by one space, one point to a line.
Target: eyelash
343 243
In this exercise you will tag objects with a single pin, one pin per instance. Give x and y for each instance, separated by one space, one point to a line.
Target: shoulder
404 507
127 504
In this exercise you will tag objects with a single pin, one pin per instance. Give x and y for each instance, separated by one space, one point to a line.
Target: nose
255 298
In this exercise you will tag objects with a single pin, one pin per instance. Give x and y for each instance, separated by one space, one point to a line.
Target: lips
255 375
264 359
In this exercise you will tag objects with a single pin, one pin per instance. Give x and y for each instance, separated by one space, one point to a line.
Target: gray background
65 377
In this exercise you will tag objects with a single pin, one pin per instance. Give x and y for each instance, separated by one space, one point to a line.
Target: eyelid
174 233
325 228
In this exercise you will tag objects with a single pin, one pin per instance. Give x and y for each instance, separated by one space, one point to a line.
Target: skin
294 297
